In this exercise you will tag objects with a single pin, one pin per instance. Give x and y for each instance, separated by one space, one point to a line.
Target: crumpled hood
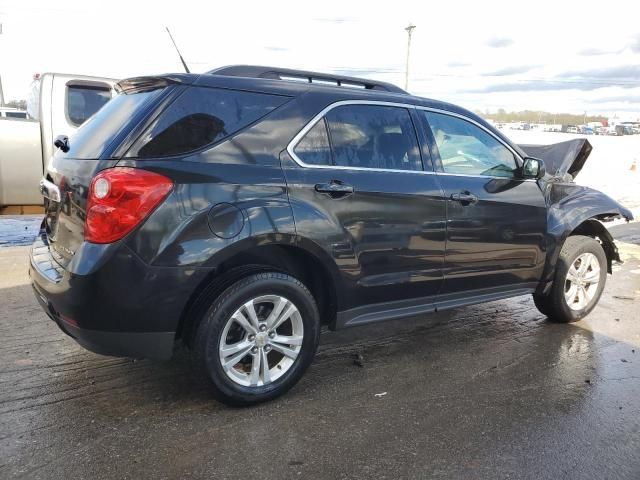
561 158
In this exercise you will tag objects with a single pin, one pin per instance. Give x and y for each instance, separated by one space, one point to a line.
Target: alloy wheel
261 340
581 282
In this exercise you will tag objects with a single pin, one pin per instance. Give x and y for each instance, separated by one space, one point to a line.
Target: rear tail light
120 199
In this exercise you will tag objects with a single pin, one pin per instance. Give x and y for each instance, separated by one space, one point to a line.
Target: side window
373 136
16 114
467 149
85 100
313 148
201 116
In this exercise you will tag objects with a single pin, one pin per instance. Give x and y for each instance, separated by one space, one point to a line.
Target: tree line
534 116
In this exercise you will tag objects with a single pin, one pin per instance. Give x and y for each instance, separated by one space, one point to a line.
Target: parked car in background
623 130
238 211
58 104
572 129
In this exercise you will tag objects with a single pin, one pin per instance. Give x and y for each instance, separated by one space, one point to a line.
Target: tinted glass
467 149
84 101
313 148
95 135
16 114
372 136
201 116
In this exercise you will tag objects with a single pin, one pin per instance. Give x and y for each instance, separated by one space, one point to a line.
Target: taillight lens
119 199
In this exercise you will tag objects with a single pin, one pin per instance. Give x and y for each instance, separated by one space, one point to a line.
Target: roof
283 81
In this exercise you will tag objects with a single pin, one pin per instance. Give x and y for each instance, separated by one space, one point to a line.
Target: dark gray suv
238 211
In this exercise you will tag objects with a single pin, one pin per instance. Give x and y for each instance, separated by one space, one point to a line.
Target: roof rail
254 71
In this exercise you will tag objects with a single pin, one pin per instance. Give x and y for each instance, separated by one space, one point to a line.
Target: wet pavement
490 391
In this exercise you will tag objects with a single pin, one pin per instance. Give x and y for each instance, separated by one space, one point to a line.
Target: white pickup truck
58 104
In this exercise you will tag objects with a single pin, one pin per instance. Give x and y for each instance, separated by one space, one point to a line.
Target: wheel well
593 228
283 258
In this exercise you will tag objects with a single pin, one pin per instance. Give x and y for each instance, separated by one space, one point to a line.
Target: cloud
534 86
613 74
634 99
499 42
545 86
513 70
592 52
365 71
277 49
458 64
635 44
335 19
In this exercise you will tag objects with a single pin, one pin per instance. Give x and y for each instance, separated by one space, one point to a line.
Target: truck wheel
257 338
579 279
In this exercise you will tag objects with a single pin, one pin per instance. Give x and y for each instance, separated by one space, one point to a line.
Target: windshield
94 136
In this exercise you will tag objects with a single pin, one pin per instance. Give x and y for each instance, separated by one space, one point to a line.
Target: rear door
358 189
496 220
68 176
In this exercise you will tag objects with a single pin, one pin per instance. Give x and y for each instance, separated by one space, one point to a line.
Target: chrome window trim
294 142
487 176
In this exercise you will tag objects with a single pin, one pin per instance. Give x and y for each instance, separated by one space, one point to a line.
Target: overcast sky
548 55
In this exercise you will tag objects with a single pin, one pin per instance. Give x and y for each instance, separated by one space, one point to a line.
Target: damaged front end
573 209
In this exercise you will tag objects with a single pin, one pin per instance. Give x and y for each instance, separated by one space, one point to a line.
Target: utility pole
409 30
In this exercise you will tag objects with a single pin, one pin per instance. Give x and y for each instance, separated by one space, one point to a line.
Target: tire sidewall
216 318
564 263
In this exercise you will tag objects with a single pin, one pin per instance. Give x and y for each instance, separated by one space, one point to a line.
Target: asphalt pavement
486 392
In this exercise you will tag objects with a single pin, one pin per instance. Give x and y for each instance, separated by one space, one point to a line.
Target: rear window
202 116
94 136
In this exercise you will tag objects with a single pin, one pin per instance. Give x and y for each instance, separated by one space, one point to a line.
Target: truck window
85 100
16 114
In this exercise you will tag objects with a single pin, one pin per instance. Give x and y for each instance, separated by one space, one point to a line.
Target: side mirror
62 142
533 168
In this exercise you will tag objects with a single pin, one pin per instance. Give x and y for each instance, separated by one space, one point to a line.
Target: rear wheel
257 338
579 279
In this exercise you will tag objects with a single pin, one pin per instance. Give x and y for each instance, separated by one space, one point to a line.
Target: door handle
465 198
335 188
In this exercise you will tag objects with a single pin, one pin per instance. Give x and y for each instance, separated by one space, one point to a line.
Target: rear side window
200 117
84 100
314 147
373 136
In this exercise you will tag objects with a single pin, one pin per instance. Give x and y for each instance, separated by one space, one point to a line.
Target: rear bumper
155 345
116 306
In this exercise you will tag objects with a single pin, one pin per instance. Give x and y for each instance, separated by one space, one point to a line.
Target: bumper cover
80 303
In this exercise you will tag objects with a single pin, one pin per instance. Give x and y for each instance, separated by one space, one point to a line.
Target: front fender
571 208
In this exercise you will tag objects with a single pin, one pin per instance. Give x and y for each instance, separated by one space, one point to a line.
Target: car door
358 189
496 219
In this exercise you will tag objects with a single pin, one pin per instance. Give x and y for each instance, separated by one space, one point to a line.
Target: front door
358 189
496 219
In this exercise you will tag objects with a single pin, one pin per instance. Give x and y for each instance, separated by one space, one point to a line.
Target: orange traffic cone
634 166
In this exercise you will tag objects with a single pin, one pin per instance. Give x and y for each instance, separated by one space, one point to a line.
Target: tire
228 324
559 304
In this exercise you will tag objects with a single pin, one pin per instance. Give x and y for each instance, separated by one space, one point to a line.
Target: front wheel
580 276
257 338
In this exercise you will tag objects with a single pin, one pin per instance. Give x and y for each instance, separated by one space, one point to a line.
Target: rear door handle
335 188
464 198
